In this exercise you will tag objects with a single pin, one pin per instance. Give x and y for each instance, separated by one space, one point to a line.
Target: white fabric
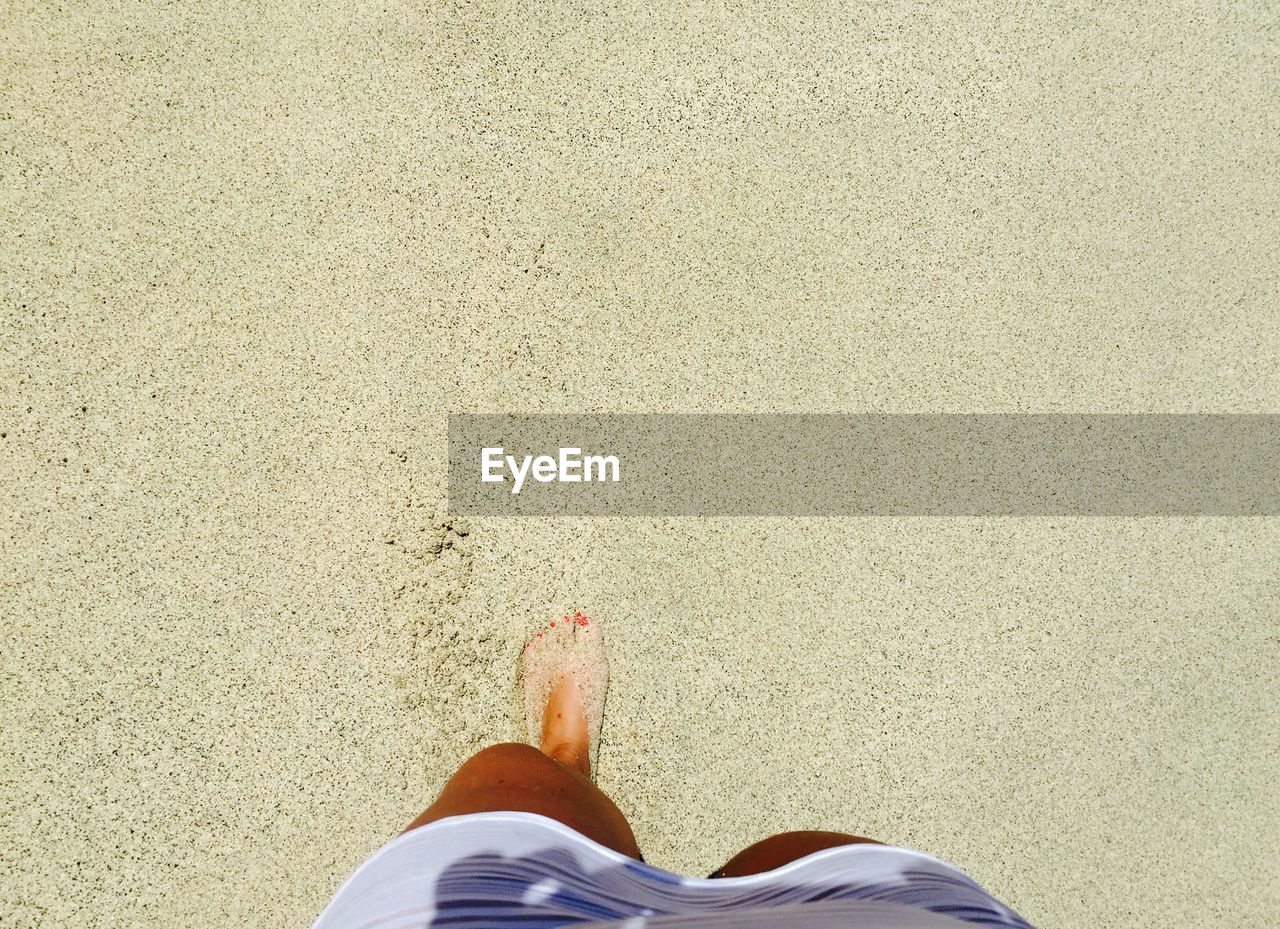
521 869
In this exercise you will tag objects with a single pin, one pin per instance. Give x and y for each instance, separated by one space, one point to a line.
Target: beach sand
253 257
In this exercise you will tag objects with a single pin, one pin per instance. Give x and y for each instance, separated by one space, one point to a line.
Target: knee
507 753
784 848
511 776
507 760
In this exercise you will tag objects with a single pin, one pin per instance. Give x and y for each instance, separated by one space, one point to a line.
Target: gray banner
865 465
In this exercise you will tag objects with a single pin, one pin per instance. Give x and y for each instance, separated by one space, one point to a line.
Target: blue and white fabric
488 870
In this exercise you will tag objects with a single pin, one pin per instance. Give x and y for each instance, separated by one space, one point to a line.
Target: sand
254 254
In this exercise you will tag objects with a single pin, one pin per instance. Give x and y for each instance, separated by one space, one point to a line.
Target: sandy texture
254 252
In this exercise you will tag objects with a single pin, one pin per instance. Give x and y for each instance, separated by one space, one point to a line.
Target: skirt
487 870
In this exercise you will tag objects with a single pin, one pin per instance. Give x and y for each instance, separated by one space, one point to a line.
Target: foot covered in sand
562 681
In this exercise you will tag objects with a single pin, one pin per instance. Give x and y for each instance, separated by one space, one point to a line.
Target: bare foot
562 680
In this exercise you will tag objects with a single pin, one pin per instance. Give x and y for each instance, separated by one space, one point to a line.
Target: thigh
519 777
784 848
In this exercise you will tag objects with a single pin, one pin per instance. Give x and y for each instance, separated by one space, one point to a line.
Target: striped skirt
489 870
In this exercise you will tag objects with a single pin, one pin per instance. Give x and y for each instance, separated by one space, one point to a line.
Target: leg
520 777
563 675
784 848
